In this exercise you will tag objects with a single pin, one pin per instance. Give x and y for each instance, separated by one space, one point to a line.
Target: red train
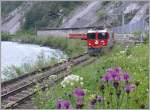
96 39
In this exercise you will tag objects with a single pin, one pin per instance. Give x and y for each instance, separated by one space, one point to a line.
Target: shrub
101 14
5 36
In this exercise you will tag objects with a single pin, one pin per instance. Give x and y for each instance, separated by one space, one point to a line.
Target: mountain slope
106 12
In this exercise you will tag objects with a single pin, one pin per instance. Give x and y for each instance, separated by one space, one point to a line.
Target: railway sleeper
9 89
25 92
23 77
8 104
60 76
20 95
17 102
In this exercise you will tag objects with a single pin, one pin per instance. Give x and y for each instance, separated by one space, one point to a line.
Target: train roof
93 31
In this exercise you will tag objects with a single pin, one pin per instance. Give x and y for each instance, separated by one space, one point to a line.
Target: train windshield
102 36
91 35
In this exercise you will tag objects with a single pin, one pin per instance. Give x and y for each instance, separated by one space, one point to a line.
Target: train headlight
96 42
103 42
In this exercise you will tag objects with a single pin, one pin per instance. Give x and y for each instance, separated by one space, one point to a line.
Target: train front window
102 36
91 35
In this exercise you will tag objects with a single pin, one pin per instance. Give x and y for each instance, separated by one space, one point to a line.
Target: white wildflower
81 83
71 84
64 86
127 46
71 80
81 78
122 52
67 81
129 56
92 96
77 79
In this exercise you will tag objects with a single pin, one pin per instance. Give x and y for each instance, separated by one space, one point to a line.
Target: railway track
18 90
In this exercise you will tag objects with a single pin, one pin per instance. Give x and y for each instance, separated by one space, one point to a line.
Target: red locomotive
96 39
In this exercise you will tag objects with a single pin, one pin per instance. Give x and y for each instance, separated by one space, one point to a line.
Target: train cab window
102 36
91 35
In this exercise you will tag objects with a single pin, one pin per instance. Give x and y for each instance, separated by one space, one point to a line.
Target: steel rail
75 62
26 75
20 101
5 83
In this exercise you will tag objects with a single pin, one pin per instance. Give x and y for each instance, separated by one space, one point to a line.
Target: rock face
106 13
13 24
91 13
97 13
84 17
140 14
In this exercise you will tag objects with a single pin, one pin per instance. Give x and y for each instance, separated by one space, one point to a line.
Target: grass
134 61
101 14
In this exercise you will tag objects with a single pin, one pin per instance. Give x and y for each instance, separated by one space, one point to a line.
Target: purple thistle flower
63 104
78 92
129 88
79 103
114 74
79 106
99 98
92 104
126 76
58 103
118 77
107 77
109 70
118 70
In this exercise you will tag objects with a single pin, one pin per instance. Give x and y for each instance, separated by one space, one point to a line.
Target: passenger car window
91 35
102 35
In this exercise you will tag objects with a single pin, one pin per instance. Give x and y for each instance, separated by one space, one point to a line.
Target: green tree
48 13
8 6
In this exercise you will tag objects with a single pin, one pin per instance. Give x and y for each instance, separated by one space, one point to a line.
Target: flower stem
103 100
127 101
116 102
110 95
116 99
122 99
111 102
